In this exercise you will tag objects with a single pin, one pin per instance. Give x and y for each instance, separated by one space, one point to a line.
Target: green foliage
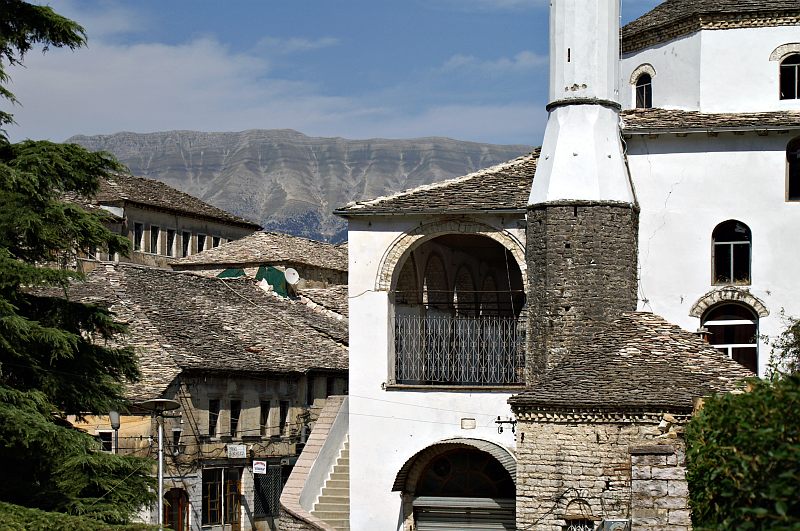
744 459
785 355
55 359
16 518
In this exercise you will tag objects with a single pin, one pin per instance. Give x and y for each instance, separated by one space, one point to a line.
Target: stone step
342 509
329 516
338 500
340 469
334 491
338 483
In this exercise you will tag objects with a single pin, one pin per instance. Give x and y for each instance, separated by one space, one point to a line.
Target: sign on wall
237 451
259 467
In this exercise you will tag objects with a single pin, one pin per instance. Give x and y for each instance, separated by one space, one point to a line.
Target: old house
251 371
514 362
163 224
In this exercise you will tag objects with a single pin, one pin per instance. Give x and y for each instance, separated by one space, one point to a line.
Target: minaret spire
582 215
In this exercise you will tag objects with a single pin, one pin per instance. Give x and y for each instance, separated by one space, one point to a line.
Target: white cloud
295 44
521 62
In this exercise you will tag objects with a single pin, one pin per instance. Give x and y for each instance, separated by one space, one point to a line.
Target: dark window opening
330 386
186 244
213 417
236 411
790 77
309 390
284 415
138 236
154 239
733 330
201 243
466 473
215 241
731 253
170 242
264 418
106 441
644 92
267 491
793 168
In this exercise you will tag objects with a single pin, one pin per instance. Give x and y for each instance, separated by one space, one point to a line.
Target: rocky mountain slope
288 181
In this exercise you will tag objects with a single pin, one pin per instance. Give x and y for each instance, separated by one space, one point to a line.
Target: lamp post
157 407
113 416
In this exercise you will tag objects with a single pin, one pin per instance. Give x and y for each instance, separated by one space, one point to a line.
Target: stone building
508 366
162 223
251 371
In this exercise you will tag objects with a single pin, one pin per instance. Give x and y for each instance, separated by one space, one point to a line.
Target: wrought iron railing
458 350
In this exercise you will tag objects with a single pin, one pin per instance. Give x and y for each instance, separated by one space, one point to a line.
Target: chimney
582 213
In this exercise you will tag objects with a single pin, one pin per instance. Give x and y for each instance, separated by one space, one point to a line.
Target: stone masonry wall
588 464
581 260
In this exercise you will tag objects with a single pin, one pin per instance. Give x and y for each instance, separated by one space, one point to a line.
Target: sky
466 69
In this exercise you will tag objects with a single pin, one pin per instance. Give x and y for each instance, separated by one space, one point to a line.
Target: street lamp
157 406
113 416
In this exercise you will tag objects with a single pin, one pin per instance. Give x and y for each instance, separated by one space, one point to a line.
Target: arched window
793 170
644 92
731 253
733 329
790 77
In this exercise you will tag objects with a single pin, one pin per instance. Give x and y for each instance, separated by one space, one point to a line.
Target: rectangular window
236 411
284 415
264 418
213 417
106 441
155 237
215 241
330 384
186 244
267 491
138 236
309 390
201 243
793 167
221 496
170 242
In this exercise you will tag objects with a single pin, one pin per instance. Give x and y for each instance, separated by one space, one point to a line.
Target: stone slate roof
640 361
183 322
122 188
271 248
333 298
674 18
504 187
653 121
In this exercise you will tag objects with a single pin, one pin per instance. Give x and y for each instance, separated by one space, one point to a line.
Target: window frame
732 246
260 498
138 237
793 170
234 419
186 243
170 240
214 406
646 89
106 440
783 69
155 239
201 238
727 348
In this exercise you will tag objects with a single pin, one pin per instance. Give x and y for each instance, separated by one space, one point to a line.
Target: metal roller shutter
460 514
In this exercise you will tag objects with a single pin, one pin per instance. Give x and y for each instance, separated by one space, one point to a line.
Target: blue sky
466 69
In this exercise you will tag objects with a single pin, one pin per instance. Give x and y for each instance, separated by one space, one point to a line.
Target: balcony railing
458 350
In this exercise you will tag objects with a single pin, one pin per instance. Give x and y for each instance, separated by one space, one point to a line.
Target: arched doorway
733 329
460 485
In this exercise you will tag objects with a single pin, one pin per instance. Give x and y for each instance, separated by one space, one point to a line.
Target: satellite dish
292 276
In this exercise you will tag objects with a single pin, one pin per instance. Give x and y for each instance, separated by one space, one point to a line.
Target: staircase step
338 500
334 491
338 483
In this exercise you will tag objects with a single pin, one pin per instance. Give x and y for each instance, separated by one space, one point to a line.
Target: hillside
288 181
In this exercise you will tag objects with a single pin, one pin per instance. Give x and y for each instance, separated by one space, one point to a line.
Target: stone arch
645 68
728 294
401 248
784 50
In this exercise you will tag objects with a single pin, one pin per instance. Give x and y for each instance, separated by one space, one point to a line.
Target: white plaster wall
387 427
676 84
686 186
737 75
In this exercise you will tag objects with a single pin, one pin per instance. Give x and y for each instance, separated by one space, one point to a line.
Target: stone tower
582 212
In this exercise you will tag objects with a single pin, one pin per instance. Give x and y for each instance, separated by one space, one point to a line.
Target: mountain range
290 182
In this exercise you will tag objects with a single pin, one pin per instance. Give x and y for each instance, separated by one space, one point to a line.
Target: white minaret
582 156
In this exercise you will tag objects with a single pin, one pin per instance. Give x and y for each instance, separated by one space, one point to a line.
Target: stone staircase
333 505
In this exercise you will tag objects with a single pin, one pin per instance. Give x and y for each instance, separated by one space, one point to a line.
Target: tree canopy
55 356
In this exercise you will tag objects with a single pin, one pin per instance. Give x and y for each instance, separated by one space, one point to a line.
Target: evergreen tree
55 359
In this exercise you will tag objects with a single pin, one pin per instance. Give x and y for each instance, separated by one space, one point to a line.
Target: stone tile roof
155 194
179 321
333 298
638 361
504 187
653 121
271 248
674 18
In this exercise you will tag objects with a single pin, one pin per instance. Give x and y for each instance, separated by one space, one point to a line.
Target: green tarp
233 272
274 278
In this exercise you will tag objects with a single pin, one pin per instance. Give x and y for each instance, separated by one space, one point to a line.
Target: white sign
237 451
259 467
